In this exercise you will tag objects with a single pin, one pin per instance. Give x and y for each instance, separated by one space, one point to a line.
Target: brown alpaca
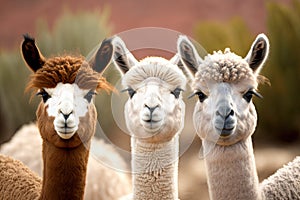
66 116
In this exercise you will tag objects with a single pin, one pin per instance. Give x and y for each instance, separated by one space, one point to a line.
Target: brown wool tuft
67 70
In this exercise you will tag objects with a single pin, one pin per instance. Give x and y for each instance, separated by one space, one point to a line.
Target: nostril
225 113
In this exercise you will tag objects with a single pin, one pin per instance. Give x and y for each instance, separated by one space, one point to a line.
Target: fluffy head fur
67 70
155 67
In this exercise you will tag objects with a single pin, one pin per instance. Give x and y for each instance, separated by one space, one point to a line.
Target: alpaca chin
66 135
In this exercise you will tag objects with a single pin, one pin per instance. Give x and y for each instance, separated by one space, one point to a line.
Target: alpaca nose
151 109
66 116
225 113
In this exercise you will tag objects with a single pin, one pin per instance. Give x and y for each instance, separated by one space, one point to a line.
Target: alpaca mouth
65 132
225 132
152 125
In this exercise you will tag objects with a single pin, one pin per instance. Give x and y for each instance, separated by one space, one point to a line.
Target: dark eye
176 92
45 96
200 95
249 94
130 91
90 95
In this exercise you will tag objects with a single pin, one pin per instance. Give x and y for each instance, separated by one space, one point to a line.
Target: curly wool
284 184
224 67
17 181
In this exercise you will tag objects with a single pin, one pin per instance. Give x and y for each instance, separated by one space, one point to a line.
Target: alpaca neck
64 172
155 168
232 172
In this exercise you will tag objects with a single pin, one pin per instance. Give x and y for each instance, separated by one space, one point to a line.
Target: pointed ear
31 54
258 53
176 59
189 55
103 56
123 59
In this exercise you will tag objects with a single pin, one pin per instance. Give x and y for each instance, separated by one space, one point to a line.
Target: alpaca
284 184
225 117
17 181
154 116
66 116
29 139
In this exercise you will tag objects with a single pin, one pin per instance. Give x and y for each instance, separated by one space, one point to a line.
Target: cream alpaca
154 116
284 184
225 115
66 117
101 182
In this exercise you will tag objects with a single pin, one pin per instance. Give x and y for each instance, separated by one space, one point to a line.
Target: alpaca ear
123 59
189 55
31 54
103 56
258 53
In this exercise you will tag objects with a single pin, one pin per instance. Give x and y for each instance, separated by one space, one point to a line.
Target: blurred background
76 27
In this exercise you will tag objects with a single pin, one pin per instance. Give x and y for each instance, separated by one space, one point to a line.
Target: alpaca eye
90 95
249 94
45 96
200 95
176 92
130 91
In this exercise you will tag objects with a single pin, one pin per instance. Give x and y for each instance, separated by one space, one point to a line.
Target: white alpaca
154 115
66 119
225 115
26 146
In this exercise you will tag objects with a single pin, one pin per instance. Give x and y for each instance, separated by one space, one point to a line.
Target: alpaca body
231 173
17 181
155 168
283 184
154 115
69 175
225 116
28 137
66 117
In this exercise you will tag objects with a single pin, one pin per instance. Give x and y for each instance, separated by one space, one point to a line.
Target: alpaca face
66 116
226 113
154 111
67 103
224 84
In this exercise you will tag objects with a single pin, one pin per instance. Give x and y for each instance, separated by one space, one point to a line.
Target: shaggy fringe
67 69
155 67
227 67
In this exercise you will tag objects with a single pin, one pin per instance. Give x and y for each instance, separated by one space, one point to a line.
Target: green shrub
214 35
76 33
282 115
